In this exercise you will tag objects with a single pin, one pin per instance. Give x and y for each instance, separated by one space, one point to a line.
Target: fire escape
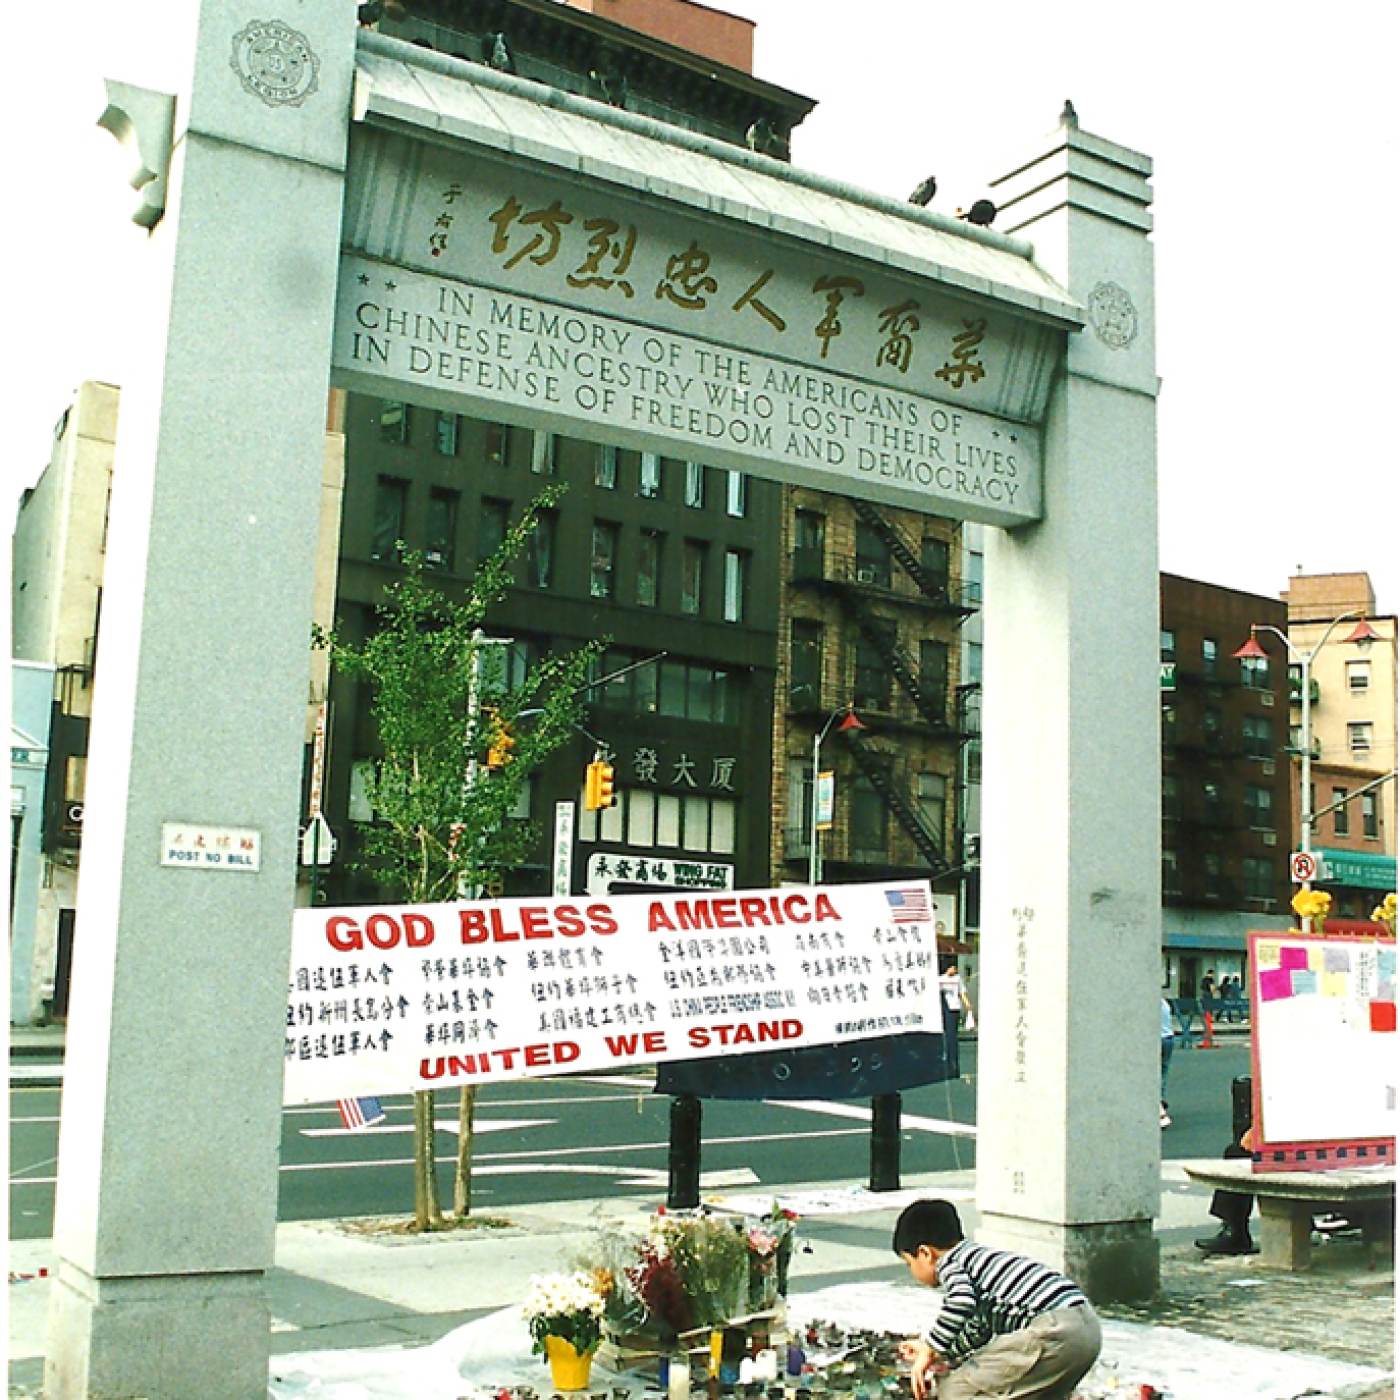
854 586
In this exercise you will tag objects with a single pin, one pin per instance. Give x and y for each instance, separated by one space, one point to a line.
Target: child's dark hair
934 1223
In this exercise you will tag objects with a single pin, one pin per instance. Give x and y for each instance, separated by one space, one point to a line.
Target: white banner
388 999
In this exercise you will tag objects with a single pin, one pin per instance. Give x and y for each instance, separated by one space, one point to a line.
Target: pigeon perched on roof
765 139
1068 116
982 213
925 191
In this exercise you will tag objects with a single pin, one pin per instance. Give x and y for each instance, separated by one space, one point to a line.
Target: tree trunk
427 1209
462 1183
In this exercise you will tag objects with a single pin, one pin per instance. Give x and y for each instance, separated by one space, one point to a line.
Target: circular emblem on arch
1113 315
275 62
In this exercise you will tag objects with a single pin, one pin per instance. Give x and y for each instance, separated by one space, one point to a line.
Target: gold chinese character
601 245
549 221
750 298
835 288
898 323
687 281
965 364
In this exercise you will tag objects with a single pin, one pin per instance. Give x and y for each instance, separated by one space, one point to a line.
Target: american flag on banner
360 1113
908 906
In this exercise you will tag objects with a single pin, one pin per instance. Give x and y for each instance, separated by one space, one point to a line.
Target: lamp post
849 725
1362 635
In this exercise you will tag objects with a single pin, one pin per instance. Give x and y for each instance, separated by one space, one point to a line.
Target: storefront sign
384 1000
608 869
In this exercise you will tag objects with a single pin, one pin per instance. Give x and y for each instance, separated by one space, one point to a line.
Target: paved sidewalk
1261 1333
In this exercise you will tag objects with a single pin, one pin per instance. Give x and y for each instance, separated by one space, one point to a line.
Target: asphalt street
556 1139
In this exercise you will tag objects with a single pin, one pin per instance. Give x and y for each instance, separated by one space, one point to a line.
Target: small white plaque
197 847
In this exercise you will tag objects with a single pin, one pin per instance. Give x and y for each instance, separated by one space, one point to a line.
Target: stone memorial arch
329 206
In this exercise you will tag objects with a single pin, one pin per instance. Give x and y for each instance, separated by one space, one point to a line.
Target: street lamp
1362 635
849 725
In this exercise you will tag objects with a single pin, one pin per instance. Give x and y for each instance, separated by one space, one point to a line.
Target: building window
933 674
972 656
539 553
695 485
1211 801
605 467
649 569
498 443
693 577
647 820
603 560
1209 655
869 819
1258 878
542 453
442 529
932 792
1171 796
1171 873
1213 725
1359 738
1258 737
359 808
1259 807
935 557
872 556
393 421
1358 675
872 679
390 507
736 496
809 544
805 664
1254 672
734 571
649 479
973 575
1168 724
1370 815
1341 818
445 434
491 527
1211 873
1168 645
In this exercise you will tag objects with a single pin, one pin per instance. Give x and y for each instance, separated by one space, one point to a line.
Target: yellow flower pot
568 1368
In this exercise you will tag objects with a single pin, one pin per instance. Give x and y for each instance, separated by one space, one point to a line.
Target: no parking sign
1302 866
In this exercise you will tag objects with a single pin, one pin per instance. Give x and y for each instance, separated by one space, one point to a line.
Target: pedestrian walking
956 1006
1009 1328
1168 1045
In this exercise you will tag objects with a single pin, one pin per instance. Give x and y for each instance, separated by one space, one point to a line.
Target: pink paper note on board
1293 957
1275 983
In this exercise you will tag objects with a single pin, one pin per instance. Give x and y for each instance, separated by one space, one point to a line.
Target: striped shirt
990 1292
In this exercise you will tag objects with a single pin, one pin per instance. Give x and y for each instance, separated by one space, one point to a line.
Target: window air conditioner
865 575
1268 768
1266 697
1271 838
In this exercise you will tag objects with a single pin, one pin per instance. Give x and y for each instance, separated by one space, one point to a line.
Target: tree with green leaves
443 828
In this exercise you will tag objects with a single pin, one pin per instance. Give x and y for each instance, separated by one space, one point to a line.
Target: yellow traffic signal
598 786
499 741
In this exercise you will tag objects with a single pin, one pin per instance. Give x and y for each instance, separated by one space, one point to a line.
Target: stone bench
1289 1200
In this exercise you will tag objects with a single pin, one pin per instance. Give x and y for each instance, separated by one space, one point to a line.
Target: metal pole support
884 1142
683 1160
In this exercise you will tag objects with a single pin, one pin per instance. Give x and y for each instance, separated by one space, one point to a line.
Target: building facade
1225 782
1352 721
873 600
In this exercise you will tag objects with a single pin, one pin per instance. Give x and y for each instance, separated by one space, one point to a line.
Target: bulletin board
1324 1050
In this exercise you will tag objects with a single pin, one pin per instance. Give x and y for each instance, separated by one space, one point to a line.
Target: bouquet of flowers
565 1305
769 1240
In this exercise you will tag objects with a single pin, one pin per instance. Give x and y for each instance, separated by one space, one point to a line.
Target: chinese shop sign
390 999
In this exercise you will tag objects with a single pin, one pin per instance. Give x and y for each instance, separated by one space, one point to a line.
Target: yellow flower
1312 904
1384 912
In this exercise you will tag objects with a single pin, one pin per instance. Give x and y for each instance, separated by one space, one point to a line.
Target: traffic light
499 740
598 786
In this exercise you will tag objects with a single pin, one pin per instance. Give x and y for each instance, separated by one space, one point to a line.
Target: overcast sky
1273 137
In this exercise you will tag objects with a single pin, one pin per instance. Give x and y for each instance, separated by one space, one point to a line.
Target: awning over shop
1359 869
1204 941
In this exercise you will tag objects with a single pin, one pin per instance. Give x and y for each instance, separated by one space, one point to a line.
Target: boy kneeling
1010 1328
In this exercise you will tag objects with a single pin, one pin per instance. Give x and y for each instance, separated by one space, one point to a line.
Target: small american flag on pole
908 906
360 1113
